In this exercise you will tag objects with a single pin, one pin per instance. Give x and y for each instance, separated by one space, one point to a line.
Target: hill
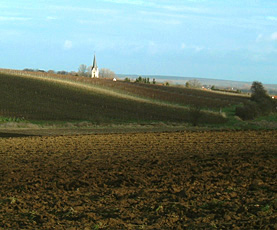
241 85
52 97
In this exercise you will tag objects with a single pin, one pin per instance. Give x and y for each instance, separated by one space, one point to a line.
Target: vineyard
174 94
69 98
173 180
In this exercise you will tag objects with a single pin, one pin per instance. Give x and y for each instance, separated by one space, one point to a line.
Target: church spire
94 69
94 62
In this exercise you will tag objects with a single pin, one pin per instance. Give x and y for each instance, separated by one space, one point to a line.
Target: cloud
130 2
67 45
271 18
13 19
82 9
171 22
198 48
91 22
183 9
193 47
50 18
259 38
183 46
274 36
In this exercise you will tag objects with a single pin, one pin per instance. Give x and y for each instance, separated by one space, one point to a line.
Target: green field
46 98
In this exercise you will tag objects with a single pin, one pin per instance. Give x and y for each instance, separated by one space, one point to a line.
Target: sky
218 39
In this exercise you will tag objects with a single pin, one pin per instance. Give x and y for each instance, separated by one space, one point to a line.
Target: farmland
129 168
180 180
58 98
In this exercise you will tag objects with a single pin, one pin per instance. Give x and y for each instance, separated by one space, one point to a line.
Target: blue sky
220 39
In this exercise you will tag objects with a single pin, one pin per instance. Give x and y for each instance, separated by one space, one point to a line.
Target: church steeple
94 62
94 69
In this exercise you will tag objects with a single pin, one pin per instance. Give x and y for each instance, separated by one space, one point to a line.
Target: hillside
46 97
241 85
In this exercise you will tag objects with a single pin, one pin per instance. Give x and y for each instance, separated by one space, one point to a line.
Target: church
94 69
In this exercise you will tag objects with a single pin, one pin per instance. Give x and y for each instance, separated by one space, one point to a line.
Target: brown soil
174 180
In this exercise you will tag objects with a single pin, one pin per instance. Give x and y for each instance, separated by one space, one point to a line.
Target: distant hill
50 97
244 86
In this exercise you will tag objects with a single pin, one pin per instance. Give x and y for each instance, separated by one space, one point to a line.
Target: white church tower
94 69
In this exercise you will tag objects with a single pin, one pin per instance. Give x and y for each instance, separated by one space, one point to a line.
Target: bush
248 111
266 106
195 114
260 104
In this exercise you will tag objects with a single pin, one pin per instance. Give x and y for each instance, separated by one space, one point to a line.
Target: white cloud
183 9
183 46
259 38
50 18
14 19
164 21
67 45
271 18
92 22
193 47
274 36
82 9
198 48
131 2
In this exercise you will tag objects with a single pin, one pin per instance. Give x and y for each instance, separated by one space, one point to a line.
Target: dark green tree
258 92
260 96
260 104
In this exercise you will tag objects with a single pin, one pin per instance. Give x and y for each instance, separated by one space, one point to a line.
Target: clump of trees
260 103
85 71
195 84
143 80
62 72
106 73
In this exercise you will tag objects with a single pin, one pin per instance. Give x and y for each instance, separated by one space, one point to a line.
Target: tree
62 72
258 92
106 73
82 71
195 114
260 104
88 73
260 96
139 79
51 71
193 84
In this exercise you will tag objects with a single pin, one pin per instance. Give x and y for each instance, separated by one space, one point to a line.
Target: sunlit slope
63 100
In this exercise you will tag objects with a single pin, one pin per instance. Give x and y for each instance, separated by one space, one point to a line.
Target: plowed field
175 180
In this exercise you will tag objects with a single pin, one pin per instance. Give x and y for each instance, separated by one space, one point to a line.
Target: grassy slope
49 100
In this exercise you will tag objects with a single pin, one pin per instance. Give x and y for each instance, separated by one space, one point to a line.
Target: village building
94 69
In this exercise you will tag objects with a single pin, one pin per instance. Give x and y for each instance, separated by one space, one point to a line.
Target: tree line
83 70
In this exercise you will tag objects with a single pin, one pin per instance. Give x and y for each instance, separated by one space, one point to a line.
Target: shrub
195 114
248 111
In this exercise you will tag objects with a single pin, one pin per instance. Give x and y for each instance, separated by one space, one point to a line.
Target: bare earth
163 180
